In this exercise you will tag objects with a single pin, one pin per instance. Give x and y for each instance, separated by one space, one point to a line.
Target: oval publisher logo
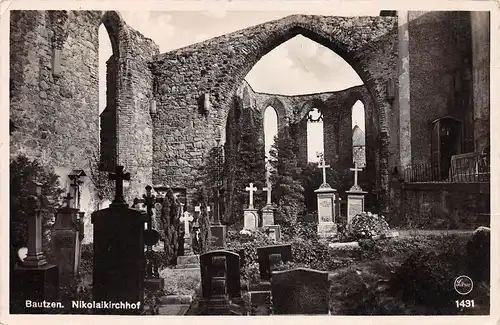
463 285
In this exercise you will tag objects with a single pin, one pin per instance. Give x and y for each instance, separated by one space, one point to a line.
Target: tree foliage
203 221
169 219
285 176
22 172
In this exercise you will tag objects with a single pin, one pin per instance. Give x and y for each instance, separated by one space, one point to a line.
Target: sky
298 66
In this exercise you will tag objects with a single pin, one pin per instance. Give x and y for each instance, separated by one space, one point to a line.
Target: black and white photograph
248 162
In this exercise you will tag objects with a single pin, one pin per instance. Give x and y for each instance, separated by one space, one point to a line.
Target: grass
405 276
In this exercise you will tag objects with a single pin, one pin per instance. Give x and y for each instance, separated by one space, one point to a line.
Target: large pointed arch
347 44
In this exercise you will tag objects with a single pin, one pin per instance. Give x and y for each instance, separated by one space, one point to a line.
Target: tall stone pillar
404 90
480 21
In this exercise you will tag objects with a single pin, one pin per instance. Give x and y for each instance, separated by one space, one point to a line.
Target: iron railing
471 167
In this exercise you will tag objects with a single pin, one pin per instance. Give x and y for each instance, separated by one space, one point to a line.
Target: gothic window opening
315 140
270 130
358 134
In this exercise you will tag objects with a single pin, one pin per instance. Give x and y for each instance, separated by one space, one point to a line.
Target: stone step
176 300
189 259
188 266
175 310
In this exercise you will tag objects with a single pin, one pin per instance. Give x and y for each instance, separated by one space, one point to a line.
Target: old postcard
226 159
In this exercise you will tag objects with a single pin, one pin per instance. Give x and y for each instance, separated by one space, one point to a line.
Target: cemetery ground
411 274
364 268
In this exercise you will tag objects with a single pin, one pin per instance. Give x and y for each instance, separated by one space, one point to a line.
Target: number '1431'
464 303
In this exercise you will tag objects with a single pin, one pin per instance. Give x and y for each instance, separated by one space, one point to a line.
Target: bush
316 255
249 241
22 172
366 225
426 277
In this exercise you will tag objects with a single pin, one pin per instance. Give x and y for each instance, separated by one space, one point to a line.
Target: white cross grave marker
186 218
322 165
268 189
251 189
355 170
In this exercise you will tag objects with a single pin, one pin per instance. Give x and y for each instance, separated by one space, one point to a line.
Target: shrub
366 225
249 241
22 172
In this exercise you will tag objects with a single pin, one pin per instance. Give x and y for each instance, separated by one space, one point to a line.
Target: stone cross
208 209
35 256
149 202
119 177
197 208
68 199
324 167
355 170
186 218
268 189
251 189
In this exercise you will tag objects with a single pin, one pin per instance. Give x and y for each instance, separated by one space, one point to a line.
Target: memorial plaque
66 241
355 204
325 209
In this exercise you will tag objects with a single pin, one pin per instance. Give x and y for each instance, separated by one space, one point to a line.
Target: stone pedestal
251 218
267 216
66 243
118 274
218 233
35 284
274 232
355 204
326 211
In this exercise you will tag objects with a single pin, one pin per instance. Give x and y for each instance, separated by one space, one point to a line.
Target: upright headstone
326 205
355 197
272 255
220 275
34 279
250 214
185 219
217 230
300 292
118 275
274 231
66 241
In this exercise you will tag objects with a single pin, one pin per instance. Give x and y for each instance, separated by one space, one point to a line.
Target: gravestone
326 206
34 279
355 197
272 255
220 276
274 231
66 241
250 214
217 230
118 274
185 219
300 292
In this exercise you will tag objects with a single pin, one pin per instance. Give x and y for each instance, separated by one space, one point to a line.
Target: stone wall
438 53
54 97
337 109
480 22
54 92
218 66
445 205
126 122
